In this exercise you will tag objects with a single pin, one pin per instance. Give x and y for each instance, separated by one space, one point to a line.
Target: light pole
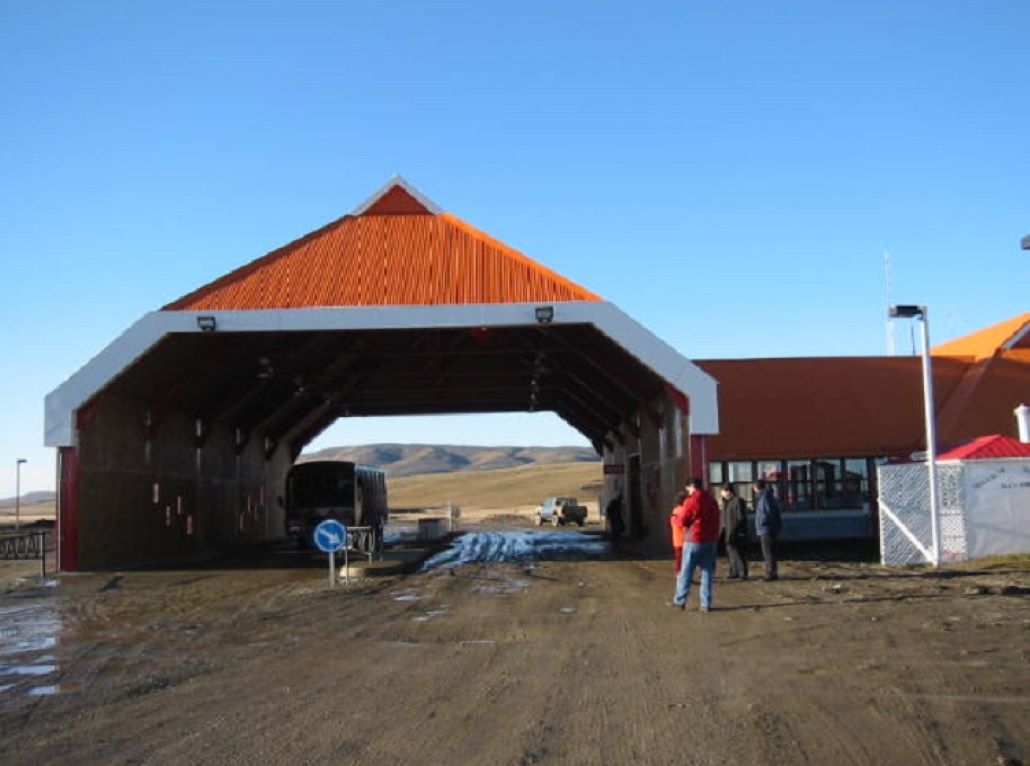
17 492
920 313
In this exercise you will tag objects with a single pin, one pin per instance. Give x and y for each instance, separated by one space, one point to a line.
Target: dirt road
564 662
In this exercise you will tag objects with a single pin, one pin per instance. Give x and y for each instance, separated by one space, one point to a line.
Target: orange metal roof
823 407
851 406
985 401
983 343
395 253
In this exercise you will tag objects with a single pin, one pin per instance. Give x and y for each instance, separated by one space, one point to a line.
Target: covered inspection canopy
395 309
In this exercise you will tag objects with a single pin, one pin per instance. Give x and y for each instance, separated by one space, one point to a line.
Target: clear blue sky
728 173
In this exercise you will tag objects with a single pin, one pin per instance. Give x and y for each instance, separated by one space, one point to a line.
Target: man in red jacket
699 515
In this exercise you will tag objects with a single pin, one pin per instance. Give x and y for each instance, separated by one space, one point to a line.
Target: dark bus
353 494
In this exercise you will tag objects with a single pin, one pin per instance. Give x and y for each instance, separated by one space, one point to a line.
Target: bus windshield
313 486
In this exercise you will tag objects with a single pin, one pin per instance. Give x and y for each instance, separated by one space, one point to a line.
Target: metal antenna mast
887 294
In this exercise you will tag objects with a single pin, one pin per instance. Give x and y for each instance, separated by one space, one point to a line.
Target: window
739 471
856 482
841 483
827 485
740 474
799 486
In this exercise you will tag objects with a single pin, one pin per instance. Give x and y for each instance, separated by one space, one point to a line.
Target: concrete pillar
67 508
663 450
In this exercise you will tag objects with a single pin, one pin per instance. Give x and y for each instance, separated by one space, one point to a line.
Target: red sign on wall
614 468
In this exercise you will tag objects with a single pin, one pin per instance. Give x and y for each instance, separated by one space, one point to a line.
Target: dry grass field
510 488
28 513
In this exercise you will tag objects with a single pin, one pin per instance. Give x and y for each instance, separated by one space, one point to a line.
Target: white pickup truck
561 510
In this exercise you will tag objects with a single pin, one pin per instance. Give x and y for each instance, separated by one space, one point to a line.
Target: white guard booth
997 506
984 498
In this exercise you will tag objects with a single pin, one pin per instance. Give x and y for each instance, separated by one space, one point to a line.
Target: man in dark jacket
613 512
767 525
699 515
734 532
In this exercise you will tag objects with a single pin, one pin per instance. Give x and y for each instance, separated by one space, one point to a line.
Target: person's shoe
770 578
675 604
705 608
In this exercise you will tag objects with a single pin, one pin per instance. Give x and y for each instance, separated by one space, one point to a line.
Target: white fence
984 510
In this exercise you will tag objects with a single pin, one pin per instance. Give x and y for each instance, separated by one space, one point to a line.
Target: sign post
330 536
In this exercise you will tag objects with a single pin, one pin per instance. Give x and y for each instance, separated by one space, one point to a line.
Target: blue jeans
696 555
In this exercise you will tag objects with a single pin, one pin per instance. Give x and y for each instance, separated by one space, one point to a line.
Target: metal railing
25 546
363 540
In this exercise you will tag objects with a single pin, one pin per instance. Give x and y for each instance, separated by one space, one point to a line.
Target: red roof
985 447
397 250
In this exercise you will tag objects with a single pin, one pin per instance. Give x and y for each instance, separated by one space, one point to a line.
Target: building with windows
817 427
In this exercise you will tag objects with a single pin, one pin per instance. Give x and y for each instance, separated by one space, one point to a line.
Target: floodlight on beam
207 323
906 311
544 314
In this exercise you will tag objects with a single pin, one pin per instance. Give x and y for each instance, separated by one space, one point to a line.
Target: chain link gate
905 531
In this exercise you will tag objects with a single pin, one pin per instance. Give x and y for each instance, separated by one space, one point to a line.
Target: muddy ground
530 662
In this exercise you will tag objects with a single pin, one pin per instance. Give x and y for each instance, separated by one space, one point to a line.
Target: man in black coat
768 524
614 514
734 532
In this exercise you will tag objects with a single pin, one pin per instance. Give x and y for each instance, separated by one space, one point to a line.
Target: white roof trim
1017 338
700 388
398 180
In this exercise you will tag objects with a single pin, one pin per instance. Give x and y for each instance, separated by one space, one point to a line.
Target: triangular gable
396 249
397 197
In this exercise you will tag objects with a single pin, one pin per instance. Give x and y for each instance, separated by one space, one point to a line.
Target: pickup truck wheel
555 521
579 522
539 520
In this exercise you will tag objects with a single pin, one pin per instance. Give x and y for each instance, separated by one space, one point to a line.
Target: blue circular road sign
330 536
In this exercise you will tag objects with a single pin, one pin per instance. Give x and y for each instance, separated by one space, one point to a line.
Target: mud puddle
517 546
399 533
28 635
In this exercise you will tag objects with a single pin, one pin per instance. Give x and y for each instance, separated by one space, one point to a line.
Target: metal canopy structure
266 383
395 309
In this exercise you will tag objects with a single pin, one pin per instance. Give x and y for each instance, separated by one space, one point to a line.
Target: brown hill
412 459
500 488
29 498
